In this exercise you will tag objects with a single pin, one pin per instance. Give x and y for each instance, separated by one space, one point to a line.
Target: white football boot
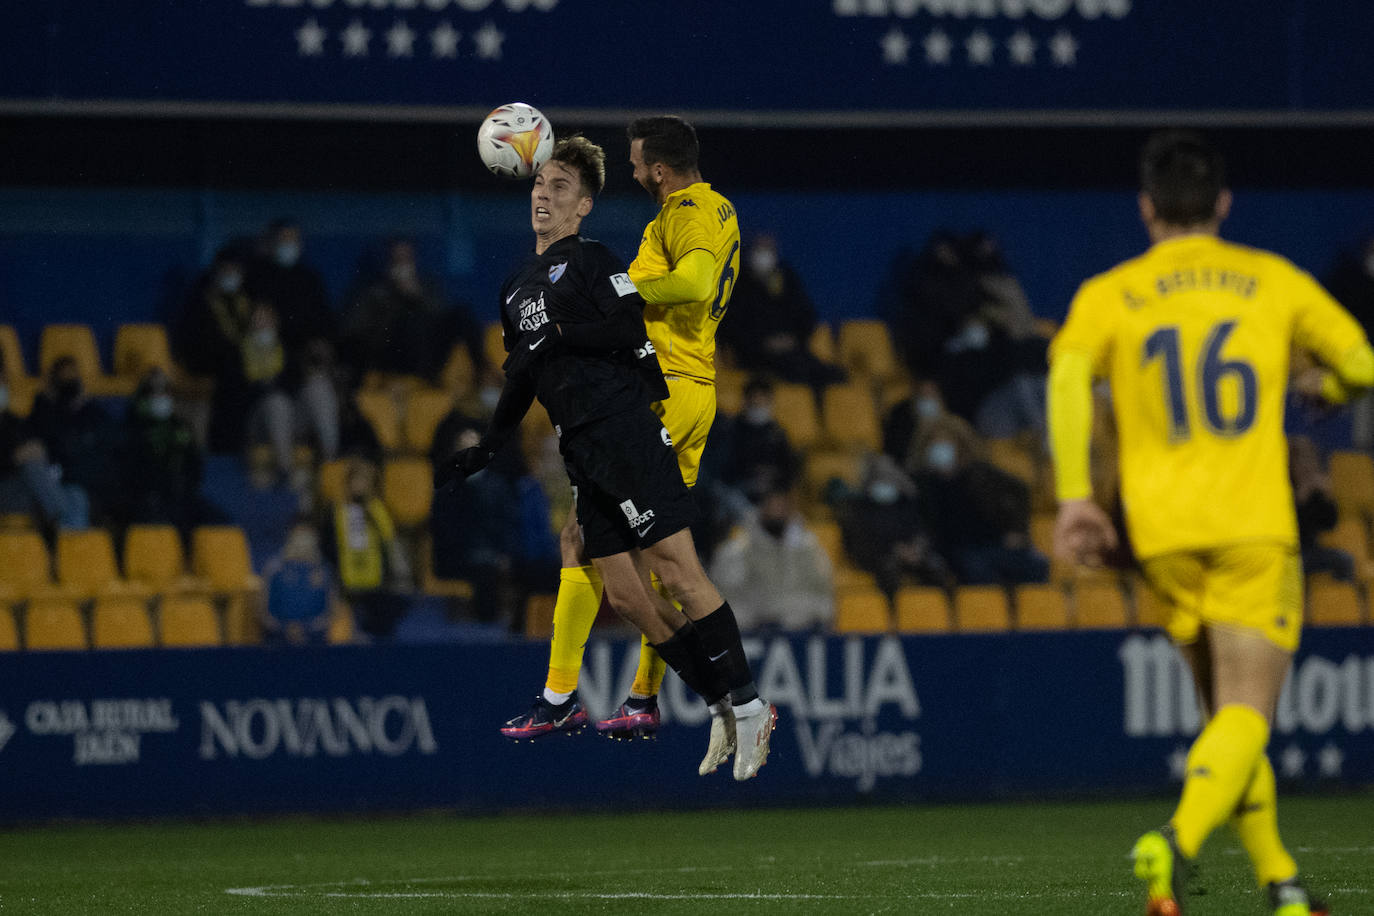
754 724
722 743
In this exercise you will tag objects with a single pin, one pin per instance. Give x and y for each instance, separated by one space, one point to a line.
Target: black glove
531 349
463 465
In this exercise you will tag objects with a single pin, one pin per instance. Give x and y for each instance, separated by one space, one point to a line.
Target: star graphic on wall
488 39
443 40
355 39
1330 759
400 40
1022 48
896 46
937 47
980 47
310 39
1292 762
1064 49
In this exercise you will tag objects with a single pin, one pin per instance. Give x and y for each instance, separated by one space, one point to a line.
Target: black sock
682 652
720 639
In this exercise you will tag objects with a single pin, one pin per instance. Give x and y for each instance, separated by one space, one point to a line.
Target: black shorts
628 487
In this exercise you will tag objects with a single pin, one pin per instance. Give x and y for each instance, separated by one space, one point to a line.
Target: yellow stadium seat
380 410
1334 604
188 621
494 345
865 348
86 561
121 622
849 417
431 584
9 632
407 490
140 347
922 609
1041 607
831 540
425 409
78 342
340 630
154 555
730 390
1352 482
22 386
54 623
981 608
1042 532
1099 606
539 616
24 562
794 407
332 482
220 556
821 466
822 343
459 374
862 610
1013 457
1351 536
1150 608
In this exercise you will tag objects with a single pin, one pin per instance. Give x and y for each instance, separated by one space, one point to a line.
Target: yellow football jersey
684 333
1195 337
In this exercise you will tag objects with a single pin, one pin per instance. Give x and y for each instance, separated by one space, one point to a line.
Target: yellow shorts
687 415
1251 586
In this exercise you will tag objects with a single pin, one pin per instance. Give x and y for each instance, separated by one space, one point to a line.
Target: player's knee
570 546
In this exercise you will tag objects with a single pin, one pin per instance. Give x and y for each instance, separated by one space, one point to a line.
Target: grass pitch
971 860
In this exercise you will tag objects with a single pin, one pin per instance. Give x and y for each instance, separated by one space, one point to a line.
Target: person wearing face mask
909 422
163 462
29 483
770 326
760 459
979 515
776 571
79 437
298 590
360 539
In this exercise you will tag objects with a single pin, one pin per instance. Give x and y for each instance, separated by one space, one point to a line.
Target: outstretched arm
690 280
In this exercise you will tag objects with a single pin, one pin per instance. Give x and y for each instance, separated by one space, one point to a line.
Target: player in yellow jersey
685 271
1194 337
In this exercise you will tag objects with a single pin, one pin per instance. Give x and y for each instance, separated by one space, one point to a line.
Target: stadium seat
794 407
862 610
821 466
9 631
86 561
1099 606
865 348
1015 458
54 623
121 622
431 584
922 609
21 385
539 616
425 409
730 390
78 342
154 556
340 632
24 562
188 621
408 490
380 410
332 481
140 347
1334 604
459 374
220 556
1352 482
981 609
1041 607
1351 536
822 343
1150 609
849 417
493 345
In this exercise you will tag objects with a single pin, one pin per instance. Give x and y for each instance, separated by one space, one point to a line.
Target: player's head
664 152
564 188
1182 183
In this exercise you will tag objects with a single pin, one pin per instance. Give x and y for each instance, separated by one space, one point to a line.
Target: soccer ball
515 140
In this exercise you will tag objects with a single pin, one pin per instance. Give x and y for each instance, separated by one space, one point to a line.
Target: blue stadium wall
107 256
231 731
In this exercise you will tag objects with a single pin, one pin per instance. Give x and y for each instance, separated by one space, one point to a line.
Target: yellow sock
1220 765
1256 822
649 674
579 599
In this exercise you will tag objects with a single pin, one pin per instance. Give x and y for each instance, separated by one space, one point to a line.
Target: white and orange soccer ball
515 140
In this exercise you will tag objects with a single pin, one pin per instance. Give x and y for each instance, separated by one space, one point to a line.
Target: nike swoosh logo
716 658
539 341
645 530
512 296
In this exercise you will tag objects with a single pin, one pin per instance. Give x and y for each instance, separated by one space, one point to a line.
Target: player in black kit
574 330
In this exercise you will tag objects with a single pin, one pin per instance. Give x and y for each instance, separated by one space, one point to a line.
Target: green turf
970 860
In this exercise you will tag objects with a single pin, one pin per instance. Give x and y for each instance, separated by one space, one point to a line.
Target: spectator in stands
771 319
1351 281
29 483
207 341
162 462
883 530
400 323
298 590
979 516
1316 511
361 541
757 458
962 319
910 423
493 529
775 569
79 437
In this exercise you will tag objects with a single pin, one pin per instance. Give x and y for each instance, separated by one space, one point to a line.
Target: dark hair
585 158
758 384
1182 175
667 139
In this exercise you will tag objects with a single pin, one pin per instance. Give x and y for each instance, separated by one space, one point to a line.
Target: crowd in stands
879 473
